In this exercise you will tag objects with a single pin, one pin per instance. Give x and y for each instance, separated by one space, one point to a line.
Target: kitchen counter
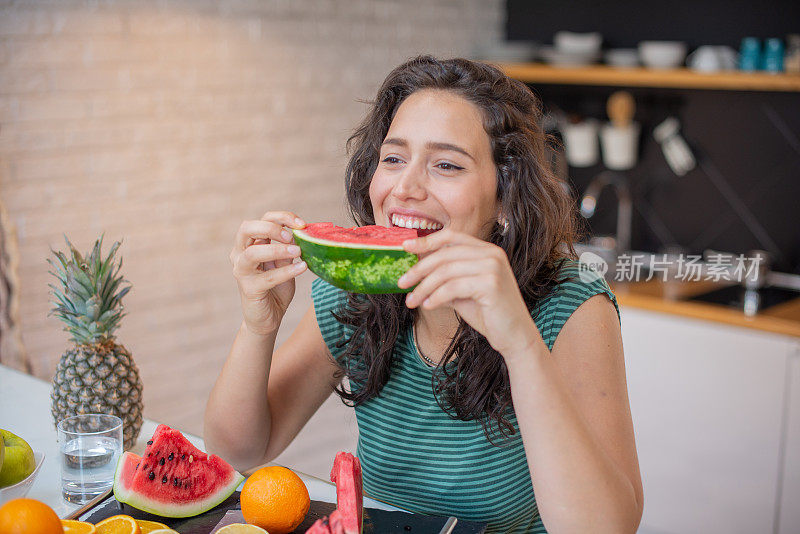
669 297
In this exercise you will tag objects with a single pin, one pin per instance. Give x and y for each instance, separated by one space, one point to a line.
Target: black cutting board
375 521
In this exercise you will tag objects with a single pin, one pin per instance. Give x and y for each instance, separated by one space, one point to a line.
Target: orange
29 516
77 527
118 524
275 499
150 526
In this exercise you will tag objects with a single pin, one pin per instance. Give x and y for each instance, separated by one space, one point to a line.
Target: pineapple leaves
89 292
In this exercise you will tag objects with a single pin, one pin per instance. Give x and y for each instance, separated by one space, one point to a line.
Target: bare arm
571 404
261 401
574 417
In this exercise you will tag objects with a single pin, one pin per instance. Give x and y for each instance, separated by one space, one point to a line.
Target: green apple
18 460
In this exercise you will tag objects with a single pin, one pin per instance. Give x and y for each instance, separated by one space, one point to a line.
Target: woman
495 390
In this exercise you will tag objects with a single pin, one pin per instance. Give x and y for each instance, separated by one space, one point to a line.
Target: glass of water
89 446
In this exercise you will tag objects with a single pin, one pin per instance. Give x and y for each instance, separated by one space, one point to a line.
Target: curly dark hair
542 226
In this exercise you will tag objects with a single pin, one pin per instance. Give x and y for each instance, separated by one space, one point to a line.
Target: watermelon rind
131 497
357 268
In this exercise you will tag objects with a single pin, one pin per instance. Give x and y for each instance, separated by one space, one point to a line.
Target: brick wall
165 124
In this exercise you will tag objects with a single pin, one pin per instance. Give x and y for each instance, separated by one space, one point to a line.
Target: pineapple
96 375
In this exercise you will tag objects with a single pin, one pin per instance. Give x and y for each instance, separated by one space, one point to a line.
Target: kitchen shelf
681 78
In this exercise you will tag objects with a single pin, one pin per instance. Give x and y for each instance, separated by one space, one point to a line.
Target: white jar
620 145
580 143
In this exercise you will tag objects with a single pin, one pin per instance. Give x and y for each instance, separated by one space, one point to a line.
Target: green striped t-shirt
417 457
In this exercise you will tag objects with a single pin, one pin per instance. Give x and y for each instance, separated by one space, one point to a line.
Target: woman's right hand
262 265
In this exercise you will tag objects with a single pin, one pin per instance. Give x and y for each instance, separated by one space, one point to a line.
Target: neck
435 329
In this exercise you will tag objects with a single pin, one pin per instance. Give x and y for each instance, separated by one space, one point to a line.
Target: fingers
288 219
274 277
269 227
437 240
251 232
445 274
454 289
455 253
285 218
254 255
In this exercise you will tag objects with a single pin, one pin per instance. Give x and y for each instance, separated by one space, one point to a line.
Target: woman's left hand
474 278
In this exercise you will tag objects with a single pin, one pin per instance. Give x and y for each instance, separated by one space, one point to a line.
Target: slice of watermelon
336 523
328 525
320 526
173 478
362 259
346 474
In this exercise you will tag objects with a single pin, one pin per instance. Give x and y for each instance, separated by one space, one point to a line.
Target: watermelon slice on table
320 526
173 478
328 525
362 259
336 523
346 474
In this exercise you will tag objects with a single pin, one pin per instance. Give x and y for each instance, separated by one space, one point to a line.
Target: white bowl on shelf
580 44
662 54
624 58
559 58
21 488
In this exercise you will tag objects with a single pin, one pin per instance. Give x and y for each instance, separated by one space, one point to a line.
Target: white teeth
423 224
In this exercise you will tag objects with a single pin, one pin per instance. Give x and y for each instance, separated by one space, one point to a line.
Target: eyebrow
433 145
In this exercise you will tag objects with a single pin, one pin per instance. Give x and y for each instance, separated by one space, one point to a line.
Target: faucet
624 205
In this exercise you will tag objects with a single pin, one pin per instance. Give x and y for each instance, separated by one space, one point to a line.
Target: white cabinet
789 522
707 402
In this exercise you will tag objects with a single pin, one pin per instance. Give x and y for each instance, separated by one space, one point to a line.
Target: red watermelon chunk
346 474
328 525
173 478
362 235
320 526
336 523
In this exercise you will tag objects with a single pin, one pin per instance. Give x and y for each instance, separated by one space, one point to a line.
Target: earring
503 221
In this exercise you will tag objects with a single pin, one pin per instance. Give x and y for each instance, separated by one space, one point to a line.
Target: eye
391 160
449 167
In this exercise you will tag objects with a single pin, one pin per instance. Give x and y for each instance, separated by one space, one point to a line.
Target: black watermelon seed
161 461
137 467
164 479
151 476
149 454
183 457
150 442
176 482
171 456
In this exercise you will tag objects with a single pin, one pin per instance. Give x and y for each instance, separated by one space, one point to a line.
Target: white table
25 411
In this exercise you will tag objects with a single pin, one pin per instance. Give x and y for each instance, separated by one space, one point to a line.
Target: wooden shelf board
682 78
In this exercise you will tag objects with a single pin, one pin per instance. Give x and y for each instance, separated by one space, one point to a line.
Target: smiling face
436 168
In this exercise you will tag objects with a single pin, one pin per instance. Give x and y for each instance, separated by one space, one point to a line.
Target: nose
411 183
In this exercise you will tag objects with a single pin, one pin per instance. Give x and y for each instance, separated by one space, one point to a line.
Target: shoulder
575 286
